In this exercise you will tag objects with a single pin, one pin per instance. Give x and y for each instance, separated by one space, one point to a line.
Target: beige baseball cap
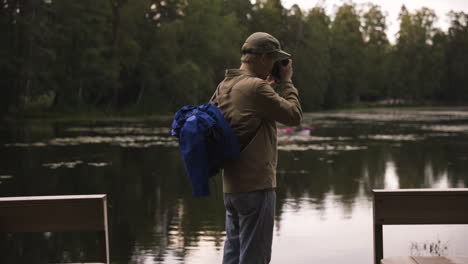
261 42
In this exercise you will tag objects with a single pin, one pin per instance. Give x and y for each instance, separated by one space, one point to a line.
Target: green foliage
377 48
413 55
269 16
41 102
312 56
346 56
456 56
157 55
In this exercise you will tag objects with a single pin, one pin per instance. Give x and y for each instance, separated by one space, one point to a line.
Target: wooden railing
56 214
416 206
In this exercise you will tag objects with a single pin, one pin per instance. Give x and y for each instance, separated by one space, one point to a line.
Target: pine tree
346 55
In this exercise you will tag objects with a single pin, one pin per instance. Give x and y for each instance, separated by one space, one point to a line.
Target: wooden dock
418 207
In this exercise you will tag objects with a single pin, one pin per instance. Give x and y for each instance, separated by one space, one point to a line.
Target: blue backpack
206 140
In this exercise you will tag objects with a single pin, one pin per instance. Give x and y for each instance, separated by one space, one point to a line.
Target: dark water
325 180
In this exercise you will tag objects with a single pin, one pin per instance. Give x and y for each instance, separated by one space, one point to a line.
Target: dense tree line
157 55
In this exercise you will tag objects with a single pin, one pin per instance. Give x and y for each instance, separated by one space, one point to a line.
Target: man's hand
271 81
287 72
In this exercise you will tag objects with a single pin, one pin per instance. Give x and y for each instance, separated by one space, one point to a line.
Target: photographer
252 107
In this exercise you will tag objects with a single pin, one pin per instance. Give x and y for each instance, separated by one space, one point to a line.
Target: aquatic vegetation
285 139
98 164
69 165
149 144
5 177
447 128
137 141
136 136
283 171
408 137
337 148
35 144
429 248
112 140
73 164
122 130
392 114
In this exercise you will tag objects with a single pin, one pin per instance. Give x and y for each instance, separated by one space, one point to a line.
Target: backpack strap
215 95
217 92
214 101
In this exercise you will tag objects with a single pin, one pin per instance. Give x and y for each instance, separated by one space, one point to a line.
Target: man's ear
262 59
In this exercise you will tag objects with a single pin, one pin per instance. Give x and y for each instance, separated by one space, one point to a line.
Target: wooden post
378 233
106 229
378 243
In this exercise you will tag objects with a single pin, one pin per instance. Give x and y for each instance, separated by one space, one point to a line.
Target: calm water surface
324 209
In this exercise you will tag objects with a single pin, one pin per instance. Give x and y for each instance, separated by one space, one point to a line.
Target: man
252 107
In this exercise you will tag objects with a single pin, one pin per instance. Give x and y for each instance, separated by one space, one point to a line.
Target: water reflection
324 197
391 177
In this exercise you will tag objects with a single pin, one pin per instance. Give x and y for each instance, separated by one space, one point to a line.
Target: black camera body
275 72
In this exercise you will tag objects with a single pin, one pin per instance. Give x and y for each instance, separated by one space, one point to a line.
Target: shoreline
134 116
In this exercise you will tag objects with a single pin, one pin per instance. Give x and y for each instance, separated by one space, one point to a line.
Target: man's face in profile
267 61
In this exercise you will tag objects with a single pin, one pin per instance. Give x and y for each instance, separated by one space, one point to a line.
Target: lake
324 202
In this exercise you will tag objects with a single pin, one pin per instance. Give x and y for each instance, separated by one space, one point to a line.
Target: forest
154 56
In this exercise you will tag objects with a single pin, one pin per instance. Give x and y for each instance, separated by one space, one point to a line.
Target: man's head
260 51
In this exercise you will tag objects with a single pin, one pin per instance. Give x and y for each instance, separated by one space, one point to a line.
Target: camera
275 72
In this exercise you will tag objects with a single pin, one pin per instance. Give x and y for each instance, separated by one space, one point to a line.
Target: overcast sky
392 7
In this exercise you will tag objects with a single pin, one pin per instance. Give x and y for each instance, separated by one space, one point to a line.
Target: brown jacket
252 108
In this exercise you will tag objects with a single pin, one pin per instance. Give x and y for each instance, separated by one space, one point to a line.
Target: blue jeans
249 227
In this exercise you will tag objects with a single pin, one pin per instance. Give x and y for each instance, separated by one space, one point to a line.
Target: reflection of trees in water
152 211
157 208
458 168
352 174
51 247
423 165
343 176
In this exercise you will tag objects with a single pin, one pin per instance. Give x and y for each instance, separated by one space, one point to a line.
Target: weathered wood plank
52 214
421 191
53 197
421 207
417 206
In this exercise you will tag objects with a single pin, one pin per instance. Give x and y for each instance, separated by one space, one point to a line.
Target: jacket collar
237 72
